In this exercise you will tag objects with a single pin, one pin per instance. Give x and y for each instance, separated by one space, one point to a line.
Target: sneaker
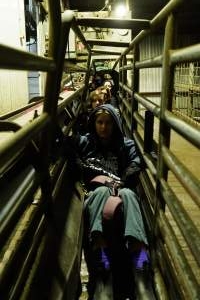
101 260
104 259
140 259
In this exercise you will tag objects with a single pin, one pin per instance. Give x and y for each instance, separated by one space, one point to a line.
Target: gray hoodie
120 158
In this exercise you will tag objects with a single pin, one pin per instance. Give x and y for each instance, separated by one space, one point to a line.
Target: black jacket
120 159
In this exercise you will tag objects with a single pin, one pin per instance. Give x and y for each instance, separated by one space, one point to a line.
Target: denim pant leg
94 206
133 221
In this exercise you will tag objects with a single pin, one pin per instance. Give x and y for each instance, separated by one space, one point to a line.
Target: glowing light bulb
120 11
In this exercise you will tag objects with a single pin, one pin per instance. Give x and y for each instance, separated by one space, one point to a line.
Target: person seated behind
104 93
104 150
113 98
96 98
108 84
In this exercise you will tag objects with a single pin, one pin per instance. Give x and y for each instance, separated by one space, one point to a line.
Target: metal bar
188 131
12 146
57 49
80 35
138 118
15 59
101 51
135 87
166 103
35 244
69 99
136 24
149 192
148 104
154 24
187 54
147 158
136 40
128 123
149 63
169 8
167 80
185 276
107 43
126 88
189 181
19 110
21 190
70 67
148 131
186 225
87 77
126 104
170 276
61 106
127 67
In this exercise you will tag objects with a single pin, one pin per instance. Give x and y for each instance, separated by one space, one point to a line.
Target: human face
102 93
104 126
96 101
108 85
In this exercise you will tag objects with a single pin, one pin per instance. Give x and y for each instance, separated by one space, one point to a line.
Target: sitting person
106 151
104 93
108 84
96 98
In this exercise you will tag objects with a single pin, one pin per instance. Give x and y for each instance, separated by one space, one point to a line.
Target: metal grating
186 100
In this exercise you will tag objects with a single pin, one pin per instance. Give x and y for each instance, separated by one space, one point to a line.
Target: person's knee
128 197
101 190
127 192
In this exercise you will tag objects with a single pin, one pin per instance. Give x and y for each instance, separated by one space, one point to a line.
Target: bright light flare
120 11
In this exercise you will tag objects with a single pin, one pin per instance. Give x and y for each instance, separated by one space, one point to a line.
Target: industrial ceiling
145 9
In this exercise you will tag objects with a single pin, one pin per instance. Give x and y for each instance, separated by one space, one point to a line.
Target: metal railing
175 233
32 188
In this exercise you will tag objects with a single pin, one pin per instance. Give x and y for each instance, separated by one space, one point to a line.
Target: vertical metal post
148 131
166 103
135 86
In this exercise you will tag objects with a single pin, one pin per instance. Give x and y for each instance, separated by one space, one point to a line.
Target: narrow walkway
84 280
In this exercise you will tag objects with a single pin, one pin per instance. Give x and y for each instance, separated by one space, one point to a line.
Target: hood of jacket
118 132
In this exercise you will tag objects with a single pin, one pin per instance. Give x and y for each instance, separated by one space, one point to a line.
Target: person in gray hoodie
107 153
104 150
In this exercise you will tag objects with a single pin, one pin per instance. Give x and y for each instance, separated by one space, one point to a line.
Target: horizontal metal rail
10 148
186 225
189 181
148 104
184 271
170 241
155 23
17 111
135 24
106 43
110 52
15 59
147 158
12 203
189 131
187 54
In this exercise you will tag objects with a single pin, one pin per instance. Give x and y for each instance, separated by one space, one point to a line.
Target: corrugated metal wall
13 84
150 79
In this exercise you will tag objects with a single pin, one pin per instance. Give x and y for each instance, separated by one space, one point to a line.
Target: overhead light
120 11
